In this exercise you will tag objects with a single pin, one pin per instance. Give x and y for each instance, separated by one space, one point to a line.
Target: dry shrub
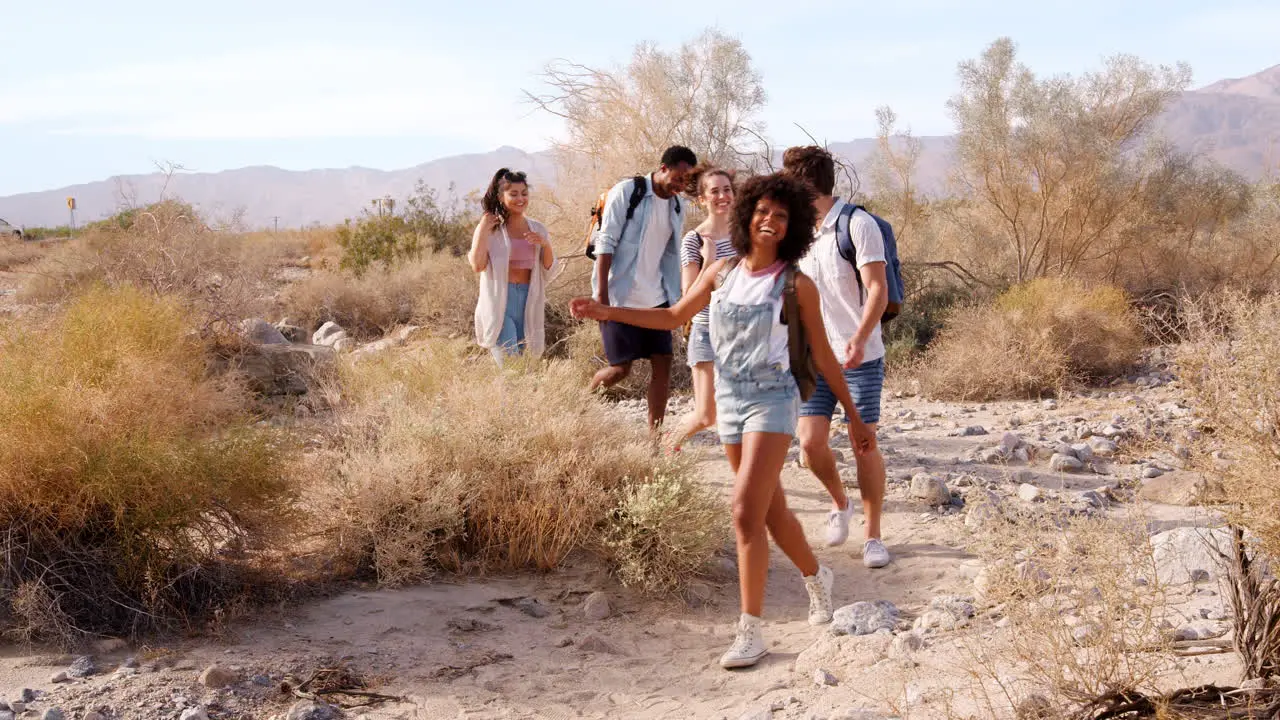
1034 339
437 291
165 249
1231 367
585 349
448 462
1080 623
125 470
16 253
659 534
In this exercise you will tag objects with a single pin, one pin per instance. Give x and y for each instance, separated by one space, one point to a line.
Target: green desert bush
126 472
1034 339
446 462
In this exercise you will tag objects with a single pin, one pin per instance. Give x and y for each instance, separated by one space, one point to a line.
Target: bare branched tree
706 95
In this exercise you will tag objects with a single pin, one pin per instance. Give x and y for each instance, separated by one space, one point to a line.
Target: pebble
1065 463
1030 493
194 714
215 677
822 678
596 607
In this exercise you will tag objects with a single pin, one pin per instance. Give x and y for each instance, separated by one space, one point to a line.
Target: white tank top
749 288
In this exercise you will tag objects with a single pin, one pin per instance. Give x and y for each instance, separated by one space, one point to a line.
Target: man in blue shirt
638 266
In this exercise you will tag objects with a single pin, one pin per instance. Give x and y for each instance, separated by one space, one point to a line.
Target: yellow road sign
71 203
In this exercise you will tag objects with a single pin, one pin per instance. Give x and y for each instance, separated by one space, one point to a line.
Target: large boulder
1189 554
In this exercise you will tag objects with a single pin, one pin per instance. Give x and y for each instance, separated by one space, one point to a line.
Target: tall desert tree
1053 168
706 95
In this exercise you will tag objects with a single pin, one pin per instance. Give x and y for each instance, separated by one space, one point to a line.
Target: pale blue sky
94 89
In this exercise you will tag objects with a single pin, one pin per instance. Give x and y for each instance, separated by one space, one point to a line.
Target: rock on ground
931 489
596 607
864 618
262 332
308 710
215 677
275 370
1189 554
1178 488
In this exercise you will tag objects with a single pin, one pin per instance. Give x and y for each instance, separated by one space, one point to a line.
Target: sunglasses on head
516 177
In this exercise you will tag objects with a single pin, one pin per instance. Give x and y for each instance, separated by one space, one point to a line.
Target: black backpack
638 189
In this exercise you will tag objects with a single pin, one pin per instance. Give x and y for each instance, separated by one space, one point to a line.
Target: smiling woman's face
768 223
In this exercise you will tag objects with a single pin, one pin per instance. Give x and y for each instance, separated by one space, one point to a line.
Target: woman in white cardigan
513 256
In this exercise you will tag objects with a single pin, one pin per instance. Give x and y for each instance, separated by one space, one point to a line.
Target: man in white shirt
854 295
638 266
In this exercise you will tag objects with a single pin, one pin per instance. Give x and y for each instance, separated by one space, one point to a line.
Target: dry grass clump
124 471
1034 339
660 532
437 291
165 249
447 462
1084 612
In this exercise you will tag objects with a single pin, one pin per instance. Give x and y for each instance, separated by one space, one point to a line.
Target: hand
862 438
490 221
533 238
855 352
588 309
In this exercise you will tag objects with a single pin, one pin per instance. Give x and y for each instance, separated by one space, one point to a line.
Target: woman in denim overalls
756 396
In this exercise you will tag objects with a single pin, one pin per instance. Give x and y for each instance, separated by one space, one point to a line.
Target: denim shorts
699 345
866 382
744 407
511 338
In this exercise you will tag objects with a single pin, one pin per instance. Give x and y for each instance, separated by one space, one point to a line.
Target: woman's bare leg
704 403
757 464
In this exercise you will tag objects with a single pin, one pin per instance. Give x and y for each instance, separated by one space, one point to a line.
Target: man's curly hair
792 194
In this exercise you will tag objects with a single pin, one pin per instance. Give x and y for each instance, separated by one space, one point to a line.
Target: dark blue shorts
866 382
624 343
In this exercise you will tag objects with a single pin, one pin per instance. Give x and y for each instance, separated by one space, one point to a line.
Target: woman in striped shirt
702 246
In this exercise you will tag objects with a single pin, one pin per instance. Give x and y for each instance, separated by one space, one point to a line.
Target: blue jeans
511 339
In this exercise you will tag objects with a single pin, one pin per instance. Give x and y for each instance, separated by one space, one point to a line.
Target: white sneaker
748 647
874 554
819 587
838 525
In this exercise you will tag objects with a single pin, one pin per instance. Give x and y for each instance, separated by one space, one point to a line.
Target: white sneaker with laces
819 587
874 554
838 525
748 646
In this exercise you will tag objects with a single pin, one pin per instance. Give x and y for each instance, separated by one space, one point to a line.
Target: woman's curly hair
792 194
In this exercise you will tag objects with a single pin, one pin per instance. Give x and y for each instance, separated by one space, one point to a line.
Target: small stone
261 332
1151 473
1111 431
215 677
906 644
1083 452
931 489
1049 404
309 710
596 607
194 713
60 677
596 644
822 678
531 607
973 431
698 594
18 707
1065 463
849 476
82 667
1030 493
1103 447
130 662
53 713
865 618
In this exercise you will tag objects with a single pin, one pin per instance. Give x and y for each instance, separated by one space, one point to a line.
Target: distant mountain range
1236 121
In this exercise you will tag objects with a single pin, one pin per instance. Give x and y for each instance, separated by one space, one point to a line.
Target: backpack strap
724 271
638 189
844 242
798 351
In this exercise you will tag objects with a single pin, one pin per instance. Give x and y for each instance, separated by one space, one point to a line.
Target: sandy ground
520 647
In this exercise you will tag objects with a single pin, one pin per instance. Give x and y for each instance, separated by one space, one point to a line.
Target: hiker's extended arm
478 255
824 358
877 287
655 318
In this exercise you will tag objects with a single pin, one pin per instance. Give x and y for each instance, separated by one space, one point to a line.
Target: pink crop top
523 254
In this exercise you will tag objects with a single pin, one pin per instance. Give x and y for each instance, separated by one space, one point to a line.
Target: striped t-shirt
691 254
